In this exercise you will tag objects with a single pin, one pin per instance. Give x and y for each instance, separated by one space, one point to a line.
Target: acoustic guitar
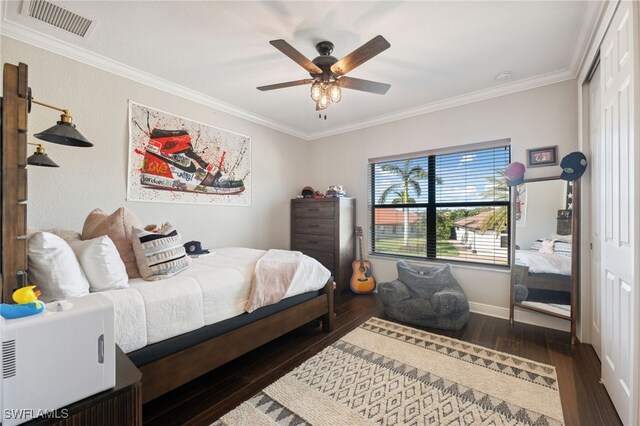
362 281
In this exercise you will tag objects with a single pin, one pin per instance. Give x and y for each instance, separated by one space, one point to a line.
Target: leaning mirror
544 258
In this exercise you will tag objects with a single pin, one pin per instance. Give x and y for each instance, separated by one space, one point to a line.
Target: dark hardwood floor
202 401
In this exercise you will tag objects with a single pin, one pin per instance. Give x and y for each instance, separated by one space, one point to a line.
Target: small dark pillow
425 280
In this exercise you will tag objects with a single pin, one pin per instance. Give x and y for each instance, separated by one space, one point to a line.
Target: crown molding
26 35
593 14
468 98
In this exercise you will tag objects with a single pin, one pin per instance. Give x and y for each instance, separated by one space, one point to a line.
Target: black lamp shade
64 134
41 159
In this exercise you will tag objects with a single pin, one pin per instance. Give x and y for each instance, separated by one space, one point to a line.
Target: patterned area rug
387 373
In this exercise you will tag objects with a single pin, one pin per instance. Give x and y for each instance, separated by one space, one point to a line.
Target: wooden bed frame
177 369
554 282
164 374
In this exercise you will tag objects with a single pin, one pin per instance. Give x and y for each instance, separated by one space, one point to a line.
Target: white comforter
212 289
548 263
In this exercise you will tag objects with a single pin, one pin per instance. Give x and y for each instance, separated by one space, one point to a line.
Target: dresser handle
313 242
313 210
313 226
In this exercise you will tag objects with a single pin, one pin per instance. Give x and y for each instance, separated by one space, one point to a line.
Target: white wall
534 118
96 177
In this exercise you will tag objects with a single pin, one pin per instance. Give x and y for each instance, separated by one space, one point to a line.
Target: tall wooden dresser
324 229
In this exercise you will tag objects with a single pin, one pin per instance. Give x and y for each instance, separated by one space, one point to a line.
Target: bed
188 320
546 271
546 275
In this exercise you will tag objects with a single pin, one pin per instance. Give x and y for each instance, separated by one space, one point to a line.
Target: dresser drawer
316 209
313 242
323 257
314 226
563 226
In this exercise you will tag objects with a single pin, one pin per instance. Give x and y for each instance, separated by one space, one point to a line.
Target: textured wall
96 177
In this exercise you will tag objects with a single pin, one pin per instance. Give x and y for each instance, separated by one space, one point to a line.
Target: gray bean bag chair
425 295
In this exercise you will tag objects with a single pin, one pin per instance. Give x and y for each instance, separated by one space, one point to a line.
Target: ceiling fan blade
287 84
297 57
360 55
364 85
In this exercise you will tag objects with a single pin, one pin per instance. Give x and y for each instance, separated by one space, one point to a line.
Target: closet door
595 163
618 212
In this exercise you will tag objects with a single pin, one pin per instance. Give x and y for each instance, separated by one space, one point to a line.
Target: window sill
453 263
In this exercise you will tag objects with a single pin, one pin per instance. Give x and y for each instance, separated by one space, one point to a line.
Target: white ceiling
217 53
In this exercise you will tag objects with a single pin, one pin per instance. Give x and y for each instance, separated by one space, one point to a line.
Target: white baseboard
521 315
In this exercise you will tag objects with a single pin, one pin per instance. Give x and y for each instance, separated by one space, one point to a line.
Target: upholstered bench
425 295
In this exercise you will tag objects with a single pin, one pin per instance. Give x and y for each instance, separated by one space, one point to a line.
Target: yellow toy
27 303
27 294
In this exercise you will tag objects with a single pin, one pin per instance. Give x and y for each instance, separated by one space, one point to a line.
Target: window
452 206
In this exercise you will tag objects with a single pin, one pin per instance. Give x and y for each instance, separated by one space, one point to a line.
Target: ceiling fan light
335 93
324 100
316 91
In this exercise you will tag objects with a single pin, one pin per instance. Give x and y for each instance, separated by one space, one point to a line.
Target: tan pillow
116 226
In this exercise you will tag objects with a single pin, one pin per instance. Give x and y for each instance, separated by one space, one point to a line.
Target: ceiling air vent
57 16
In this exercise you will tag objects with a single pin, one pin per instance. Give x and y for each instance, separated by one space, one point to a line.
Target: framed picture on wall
546 156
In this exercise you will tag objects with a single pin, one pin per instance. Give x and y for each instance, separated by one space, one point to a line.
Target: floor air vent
57 16
8 359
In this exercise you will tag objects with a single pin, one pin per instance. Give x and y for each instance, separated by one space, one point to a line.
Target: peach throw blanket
272 277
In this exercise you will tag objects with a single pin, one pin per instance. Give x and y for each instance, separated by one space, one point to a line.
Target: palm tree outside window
452 206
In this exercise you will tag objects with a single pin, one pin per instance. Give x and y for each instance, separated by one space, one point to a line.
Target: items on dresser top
323 229
335 191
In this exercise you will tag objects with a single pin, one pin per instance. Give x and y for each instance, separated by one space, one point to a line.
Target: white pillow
66 235
101 263
54 268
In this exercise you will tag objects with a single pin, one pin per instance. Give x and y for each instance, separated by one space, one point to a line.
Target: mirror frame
575 257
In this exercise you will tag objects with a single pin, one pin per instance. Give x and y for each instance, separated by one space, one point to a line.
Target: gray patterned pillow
159 254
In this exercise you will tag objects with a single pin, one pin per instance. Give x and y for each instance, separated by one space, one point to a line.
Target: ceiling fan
328 73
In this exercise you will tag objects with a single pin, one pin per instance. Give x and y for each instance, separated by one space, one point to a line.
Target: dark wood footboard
554 282
174 370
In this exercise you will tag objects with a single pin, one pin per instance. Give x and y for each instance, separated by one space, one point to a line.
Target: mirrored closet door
545 256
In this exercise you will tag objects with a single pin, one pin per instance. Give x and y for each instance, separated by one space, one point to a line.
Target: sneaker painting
174 159
170 163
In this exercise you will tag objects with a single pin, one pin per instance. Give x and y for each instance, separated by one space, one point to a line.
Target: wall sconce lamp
40 158
64 132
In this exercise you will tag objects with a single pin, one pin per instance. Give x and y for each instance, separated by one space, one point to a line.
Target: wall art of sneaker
171 163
